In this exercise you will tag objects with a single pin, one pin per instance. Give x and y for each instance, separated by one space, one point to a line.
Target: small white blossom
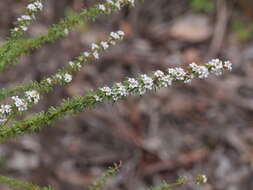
67 77
107 90
79 65
66 31
201 71
177 73
121 33
24 28
38 5
31 7
101 7
131 2
117 4
188 78
86 54
105 45
33 96
5 109
20 103
133 83
96 55
24 17
58 76
110 2
72 64
159 74
166 81
147 81
119 91
97 98
49 80
94 46
115 35
228 65
201 179
4 112
216 66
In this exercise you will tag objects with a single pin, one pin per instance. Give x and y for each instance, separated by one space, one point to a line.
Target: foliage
243 30
205 6
13 183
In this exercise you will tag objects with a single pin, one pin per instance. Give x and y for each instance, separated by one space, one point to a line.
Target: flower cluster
19 104
114 4
93 53
32 96
201 179
4 112
159 79
64 76
24 21
217 66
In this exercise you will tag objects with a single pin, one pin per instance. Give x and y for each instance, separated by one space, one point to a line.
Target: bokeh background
204 127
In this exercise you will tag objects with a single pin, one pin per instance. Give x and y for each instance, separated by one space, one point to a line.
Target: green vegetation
205 6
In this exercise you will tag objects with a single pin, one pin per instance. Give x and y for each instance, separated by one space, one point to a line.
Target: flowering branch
34 89
200 179
131 86
13 183
13 49
22 23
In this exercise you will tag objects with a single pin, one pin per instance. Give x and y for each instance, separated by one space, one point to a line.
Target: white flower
177 73
101 7
204 178
94 46
201 179
188 78
97 98
96 55
24 17
110 2
133 83
66 31
67 77
119 91
166 81
49 80
58 76
31 7
117 4
131 2
38 5
86 54
104 45
72 64
115 35
216 66
5 109
147 81
78 65
121 33
21 104
107 90
201 71
33 96
228 65
159 74
24 28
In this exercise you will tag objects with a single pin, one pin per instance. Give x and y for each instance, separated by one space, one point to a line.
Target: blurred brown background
204 127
